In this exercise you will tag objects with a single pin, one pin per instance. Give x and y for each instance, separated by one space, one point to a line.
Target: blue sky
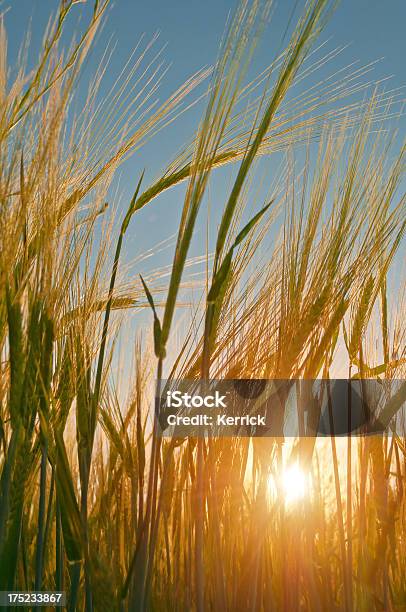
191 31
192 28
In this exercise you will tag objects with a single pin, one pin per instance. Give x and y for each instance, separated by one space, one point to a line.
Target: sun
292 485
295 483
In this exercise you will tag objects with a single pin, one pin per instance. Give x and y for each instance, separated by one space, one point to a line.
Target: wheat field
93 500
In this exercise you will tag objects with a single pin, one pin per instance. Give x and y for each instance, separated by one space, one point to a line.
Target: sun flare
295 483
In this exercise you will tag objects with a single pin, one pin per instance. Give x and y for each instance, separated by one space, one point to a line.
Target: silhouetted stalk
214 493
41 519
85 532
349 494
152 515
340 512
59 583
143 555
155 525
5 480
50 512
74 572
199 527
24 557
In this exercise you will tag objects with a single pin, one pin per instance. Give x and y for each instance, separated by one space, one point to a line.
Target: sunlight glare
294 483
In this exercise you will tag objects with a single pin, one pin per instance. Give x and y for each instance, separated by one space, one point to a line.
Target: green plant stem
41 519
59 583
151 510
